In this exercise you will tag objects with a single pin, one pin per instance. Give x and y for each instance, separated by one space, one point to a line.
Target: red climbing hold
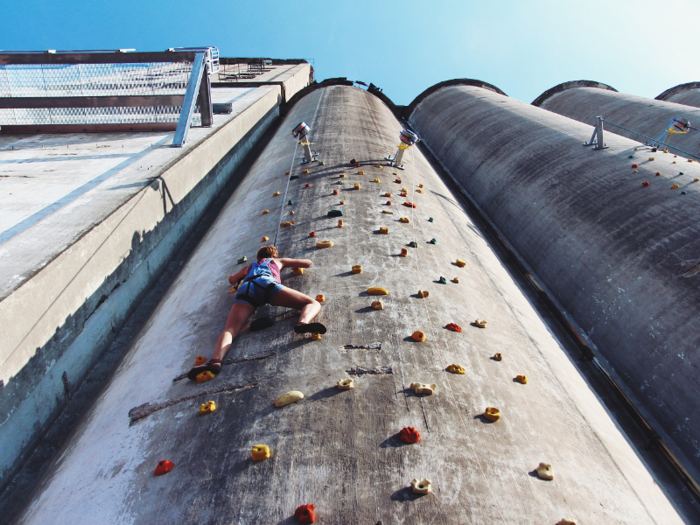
305 514
454 327
658 174
335 192
397 181
634 166
388 203
409 204
307 185
164 467
645 184
312 234
409 435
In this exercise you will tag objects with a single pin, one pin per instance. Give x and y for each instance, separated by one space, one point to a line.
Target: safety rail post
183 124
597 139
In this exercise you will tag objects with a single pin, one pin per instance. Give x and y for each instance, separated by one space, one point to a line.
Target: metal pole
600 143
307 148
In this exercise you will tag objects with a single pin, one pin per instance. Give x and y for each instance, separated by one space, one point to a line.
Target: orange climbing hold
645 184
454 327
340 223
423 293
384 229
298 271
307 185
335 192
357 186
342 175
321 298
404 252
276 194
341 202
265 239
409 435
199 360
357 269
397 181
409 204
286 224
388 203
387 194
306 514
291 212
522 379
634 166
657 174
403 194
286 172
265 212
497 357
164 467
420 185
312 234
419 336
316 336
304 172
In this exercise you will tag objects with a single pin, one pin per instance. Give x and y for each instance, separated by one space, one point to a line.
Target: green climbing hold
339 182
684 192
321 163
335 213
430 220
442 280
242 259
290 203
413 244
432 241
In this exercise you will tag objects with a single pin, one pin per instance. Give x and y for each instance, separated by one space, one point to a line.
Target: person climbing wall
261 285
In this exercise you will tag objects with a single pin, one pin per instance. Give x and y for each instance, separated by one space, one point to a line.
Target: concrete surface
338 450
621 259
687 94
88 222
642 115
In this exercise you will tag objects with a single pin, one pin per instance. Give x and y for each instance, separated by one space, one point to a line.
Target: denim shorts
258 292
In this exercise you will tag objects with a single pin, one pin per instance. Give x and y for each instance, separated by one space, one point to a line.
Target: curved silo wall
687 94
622 259
641 115
339 450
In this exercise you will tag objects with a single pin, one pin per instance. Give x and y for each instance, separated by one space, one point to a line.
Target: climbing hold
690 160
346 384
378 305
307 185
684 192
305 514
383 229
673 162
207 408
335 213
312 234
360 172
335 192
387 194
286 224
651 159
316 336
492 414
405 190
265 212
404 220
377 290
265 239
378 166
432 241
521 379
232 289
287 172
422 486
341 202
205 376
163 467
420 186
635 166
455 280
321 163
413 244
696 180
199 360
388 211
397 181
377 180
658 174
567 521
430 219
423 388
298 271
403 194
321 298
456 369
480 323
497 357
645 184
291 212
409 435
423 293
294 177
442 280
289 397
419 336
544 470
635 171
304 172
357 186
276 194
454 327
419 191
290 202
342 175
340 223
460 263
388 203
339 183
404 252
242 259
260 452
357 269
324 244
675 186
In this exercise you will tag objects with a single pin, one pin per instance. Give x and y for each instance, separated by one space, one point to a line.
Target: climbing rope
291 167
653 140
440 356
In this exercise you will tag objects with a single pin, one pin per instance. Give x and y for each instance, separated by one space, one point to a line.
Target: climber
260 286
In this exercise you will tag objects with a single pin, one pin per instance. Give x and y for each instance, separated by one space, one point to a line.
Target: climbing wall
346 451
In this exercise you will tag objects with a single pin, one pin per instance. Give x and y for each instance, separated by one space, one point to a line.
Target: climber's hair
267 252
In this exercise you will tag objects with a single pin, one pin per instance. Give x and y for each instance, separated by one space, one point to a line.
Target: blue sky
523 47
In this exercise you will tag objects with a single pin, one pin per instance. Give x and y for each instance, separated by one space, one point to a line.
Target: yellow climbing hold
419 191
360 172
455 280
260 452
377 180
289 397
378 166
286 224
492 414
456 369
357 269
378 305
460 263
651 159
423 293
265 239
232 289
205 376
480 323
304 172
419 336
675 186
383 229
696 180
342 175
346 384
291 212
316 336
420 186
357 186
276 194
207 408
298 271
321 298
423 388
405 190
388 211
324 244
341 202
377 290
521 379
265 212
340 223
544 470
405 220
404 252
